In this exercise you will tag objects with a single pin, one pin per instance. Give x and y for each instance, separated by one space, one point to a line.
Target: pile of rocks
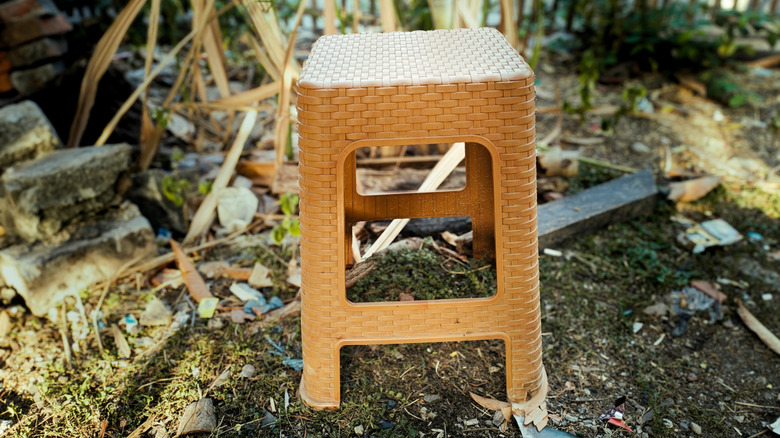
63 222
32 45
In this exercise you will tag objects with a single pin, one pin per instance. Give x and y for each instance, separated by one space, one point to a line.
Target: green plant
174 189
290 225
589 73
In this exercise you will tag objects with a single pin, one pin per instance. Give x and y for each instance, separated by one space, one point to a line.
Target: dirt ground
717 379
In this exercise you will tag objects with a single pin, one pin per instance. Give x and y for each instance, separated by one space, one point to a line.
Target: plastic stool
394 89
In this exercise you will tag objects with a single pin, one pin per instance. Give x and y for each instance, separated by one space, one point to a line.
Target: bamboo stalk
140 89
203 218
508 23
438 174
248 97
283 111
147 126
387 15
355 16
329 15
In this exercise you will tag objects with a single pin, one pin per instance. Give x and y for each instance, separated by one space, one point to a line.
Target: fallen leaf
693 189
691 83
198 417
758 328
490 403
557 162
195 284
238 316
169 277
241 274
213 269
450 238
123 348
260 276
709 290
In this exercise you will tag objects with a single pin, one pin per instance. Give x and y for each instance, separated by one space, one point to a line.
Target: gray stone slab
25 133
46 193
76 258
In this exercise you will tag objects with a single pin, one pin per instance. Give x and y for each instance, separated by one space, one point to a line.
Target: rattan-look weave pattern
415 88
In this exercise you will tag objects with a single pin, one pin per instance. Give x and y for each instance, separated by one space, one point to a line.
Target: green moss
426 275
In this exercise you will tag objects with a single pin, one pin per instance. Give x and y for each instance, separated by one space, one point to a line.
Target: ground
717 375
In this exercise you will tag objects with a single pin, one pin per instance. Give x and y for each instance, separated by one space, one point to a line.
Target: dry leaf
97 66
123 349
195 284
693 189
557 162
169 277
693 84
450 238
241 274
213 269
755 325
198 417
490 403
709 290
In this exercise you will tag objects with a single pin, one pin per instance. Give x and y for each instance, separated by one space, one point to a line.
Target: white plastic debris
236 207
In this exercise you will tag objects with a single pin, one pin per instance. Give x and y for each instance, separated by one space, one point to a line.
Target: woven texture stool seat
394 89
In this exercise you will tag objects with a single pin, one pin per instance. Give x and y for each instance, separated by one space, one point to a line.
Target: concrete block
78 257
20 10
47 193
20 32
31 80
37 51
25 133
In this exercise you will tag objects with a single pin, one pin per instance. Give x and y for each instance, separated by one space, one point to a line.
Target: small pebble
430 398
571 418
386 424
766 297
692 377
739 418
696 428
359 430
391 404
668 423
472 422
247 371
637 326
640 148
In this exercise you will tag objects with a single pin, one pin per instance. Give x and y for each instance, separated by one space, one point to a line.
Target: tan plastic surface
392 89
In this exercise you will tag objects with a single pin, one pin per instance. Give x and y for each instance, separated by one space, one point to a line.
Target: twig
103 294
205 214
758 434
594 162
64 334
757 406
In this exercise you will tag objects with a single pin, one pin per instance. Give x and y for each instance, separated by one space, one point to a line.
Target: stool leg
320 381
523 359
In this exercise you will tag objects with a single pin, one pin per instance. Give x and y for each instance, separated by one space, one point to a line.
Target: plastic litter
207 307
131 324
236 207
716 232
616 414
245 292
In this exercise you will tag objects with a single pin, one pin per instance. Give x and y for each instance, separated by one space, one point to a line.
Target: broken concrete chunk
199 417
156 313
25 133
77 257
46 193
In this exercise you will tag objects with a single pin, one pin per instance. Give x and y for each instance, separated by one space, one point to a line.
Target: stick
594 162
205 214
438 174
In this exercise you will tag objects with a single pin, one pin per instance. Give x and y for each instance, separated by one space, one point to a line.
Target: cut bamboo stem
205 214
438 174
